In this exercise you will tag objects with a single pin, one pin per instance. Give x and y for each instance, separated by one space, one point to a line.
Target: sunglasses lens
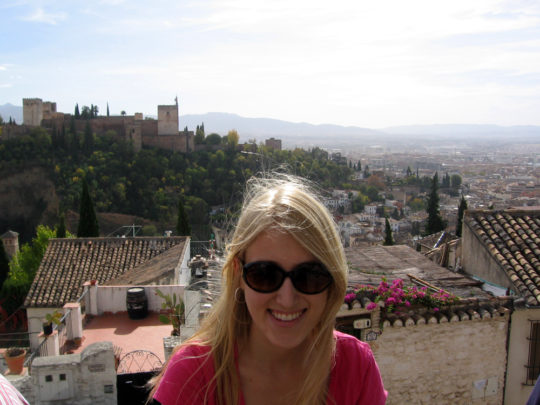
267 277
263 276
311 278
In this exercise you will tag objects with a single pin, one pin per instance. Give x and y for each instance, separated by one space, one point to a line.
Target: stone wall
87 378
182 142
167 120
458 362
516 392
478 261
32 111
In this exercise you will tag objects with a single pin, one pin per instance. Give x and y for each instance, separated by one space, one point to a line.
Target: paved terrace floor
125 333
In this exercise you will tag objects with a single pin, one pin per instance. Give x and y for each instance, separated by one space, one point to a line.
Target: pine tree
61 227
4 264
435 222
77 112
461 211
388 239
88 224
182 225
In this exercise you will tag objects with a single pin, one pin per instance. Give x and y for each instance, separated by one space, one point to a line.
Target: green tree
461 211
213 139
23 267
388 238
77 113
88 224
88 141
232 138
4 264
61 227
107 108
199 135
182 225
409 171
455 181
435 223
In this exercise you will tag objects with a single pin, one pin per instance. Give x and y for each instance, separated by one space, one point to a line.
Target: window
533 366
48 378
62 377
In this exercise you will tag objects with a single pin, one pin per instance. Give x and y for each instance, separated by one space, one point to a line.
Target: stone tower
168 119
11 243
32 111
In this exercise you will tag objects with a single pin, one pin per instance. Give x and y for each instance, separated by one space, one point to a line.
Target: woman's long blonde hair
289 204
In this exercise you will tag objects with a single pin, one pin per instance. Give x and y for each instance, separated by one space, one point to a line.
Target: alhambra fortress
161 133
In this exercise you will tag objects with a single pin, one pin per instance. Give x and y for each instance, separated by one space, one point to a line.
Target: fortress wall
177 143
149 127
167 120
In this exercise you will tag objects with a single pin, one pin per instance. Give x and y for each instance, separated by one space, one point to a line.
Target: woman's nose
287 294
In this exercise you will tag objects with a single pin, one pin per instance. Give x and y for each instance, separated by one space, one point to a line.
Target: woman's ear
237 263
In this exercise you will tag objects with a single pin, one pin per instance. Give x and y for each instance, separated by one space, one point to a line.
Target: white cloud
39 15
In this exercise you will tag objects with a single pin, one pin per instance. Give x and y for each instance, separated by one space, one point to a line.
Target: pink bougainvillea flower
436 309
371 306
350 298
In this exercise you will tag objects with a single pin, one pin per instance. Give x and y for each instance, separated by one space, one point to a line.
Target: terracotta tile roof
68 263
369 264
512 238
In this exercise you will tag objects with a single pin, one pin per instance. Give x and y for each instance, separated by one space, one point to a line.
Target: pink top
354 379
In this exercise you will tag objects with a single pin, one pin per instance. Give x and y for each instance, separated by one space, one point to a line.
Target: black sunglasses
267 277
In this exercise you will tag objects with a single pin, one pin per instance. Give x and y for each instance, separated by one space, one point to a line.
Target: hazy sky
362 62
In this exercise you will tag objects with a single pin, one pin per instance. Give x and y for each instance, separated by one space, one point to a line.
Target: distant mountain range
304 134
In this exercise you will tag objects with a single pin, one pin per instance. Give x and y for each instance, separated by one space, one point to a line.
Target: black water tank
137 303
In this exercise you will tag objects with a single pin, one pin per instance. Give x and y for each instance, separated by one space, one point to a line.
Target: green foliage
461 210
88 224
182 225
61 227
53 317
455 181
4 264
149 183
23 267
435 223
213 139
175 311
388 238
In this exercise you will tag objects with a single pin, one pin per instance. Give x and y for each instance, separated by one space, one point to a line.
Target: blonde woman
270 338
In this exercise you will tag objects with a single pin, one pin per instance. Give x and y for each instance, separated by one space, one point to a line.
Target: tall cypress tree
388 238
88 224
435 222
461 210
77 112
61 227
107 108
182 225
4 264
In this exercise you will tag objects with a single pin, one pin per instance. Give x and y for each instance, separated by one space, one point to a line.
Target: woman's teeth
286 317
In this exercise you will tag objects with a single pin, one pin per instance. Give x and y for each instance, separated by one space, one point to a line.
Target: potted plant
53 317
15 359
174 311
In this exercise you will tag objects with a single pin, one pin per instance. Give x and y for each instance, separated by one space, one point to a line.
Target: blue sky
365 63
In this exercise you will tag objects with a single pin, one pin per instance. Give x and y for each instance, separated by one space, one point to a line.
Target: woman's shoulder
187 375
348 343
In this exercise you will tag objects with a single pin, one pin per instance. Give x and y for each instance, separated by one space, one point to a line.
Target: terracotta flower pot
15 361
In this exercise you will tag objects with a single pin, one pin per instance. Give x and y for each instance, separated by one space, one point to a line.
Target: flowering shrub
396 295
